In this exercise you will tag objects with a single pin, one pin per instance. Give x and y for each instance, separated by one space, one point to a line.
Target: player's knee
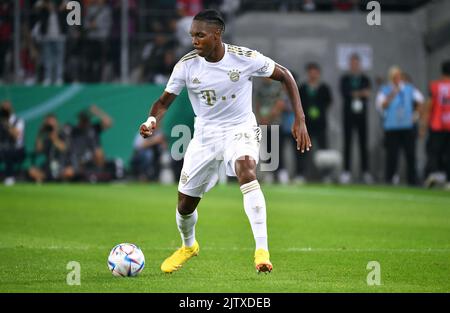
187 205
246 176
246 170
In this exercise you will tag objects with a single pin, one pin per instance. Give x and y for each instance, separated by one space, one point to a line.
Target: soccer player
218 77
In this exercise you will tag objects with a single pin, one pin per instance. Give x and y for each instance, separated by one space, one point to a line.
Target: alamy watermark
73 278
374 276
374 16
74 15
218 144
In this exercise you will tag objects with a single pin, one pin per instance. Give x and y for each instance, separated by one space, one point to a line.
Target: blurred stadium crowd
406 115
53 54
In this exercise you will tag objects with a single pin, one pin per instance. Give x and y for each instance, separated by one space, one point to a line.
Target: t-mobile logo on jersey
374 16
74 16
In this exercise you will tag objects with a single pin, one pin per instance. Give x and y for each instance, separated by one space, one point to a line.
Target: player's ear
217 34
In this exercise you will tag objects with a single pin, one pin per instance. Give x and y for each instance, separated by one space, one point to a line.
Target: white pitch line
401 250
291 249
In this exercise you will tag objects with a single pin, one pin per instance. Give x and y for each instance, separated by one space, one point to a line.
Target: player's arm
299 130
159 108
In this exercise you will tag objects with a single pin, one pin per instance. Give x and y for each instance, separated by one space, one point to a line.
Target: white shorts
212 147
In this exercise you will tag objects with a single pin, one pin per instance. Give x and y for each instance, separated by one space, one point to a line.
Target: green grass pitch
321 239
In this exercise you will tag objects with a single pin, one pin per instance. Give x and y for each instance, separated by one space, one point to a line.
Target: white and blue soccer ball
125 260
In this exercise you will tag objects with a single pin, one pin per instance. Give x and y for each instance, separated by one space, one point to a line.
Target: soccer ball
126 259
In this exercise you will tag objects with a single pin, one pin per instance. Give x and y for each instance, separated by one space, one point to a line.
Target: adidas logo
195 81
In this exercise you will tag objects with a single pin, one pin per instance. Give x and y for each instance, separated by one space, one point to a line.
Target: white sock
186 227
255 208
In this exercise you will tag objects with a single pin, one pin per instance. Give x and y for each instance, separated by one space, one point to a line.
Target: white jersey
220 92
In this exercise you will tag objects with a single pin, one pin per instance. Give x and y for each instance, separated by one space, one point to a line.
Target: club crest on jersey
184 177
234 75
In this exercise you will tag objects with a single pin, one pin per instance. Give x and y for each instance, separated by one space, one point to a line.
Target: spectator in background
145 162
97 24
287 5
169 61
52 28
12 150
29 57
355 91
75 59
284 108
316 99
345 5
399 103
186 10
267 96
5 35
308 5
189 7
436 119
268 100
229 8
116 28
52 145
159 59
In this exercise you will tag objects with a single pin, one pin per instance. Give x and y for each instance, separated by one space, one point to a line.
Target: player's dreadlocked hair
211 16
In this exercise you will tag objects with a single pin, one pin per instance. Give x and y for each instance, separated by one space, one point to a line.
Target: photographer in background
51 143
87 156
12 151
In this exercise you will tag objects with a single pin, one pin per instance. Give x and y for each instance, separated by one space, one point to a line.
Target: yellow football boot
179 257
262 261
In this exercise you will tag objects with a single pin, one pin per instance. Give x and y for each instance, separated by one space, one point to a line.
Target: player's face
204 37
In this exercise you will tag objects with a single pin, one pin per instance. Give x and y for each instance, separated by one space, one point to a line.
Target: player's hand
146 131
301 136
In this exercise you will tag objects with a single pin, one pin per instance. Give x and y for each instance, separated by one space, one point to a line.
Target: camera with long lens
47 128
4 114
